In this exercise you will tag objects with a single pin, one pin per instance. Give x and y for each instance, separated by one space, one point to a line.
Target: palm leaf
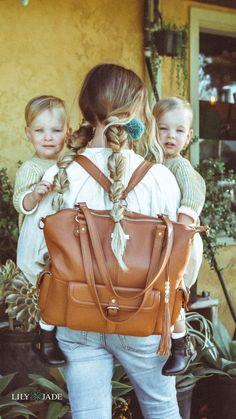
5 380
56 410
49 385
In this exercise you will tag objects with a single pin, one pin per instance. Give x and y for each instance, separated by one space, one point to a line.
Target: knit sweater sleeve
192 187
27 176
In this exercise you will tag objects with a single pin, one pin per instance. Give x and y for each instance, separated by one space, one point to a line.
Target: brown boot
48 350
182 353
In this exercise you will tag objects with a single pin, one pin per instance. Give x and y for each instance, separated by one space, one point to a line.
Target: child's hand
33 198
41 189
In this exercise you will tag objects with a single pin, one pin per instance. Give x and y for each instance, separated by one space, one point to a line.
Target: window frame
212 21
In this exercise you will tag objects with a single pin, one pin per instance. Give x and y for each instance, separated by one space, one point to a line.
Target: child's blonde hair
39 104
110 95
170 103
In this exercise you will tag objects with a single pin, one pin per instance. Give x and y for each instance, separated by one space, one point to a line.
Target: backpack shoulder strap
137 176
97 174
94 171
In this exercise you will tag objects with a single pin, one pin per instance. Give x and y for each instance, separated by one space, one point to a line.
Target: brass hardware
112 310
159 234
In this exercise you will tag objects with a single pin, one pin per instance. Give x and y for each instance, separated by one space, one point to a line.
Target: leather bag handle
89 272
100 259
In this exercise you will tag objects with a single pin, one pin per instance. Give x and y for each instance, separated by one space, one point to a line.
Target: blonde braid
77 143
116 137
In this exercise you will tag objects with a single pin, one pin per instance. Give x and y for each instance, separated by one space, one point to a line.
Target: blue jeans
90 367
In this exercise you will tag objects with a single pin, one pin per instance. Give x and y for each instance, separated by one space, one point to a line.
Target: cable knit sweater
27 176
191 184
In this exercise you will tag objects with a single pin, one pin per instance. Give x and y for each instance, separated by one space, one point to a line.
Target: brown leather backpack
83 286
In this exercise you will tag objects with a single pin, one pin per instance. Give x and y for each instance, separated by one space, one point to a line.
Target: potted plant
211 374
200 329
215 396
166 40
170 40
19 331
18 299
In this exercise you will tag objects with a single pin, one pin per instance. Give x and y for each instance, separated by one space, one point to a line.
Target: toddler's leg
182 349
47 346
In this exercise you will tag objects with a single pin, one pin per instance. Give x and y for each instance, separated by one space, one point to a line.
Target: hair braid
76 144
116 164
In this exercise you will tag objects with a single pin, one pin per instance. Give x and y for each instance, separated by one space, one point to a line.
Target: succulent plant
21 298
7 273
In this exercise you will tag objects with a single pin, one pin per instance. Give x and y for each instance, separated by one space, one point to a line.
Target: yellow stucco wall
208 281
47 48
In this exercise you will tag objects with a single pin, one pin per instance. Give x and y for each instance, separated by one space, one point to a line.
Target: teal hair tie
135 129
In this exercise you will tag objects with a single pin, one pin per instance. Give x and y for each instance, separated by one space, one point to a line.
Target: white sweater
157 193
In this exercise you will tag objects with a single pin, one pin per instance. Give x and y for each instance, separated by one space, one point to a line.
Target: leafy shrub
8 219
217 211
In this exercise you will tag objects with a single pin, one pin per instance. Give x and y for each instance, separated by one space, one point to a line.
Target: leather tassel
164 346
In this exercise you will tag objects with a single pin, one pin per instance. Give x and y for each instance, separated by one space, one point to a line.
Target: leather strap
94 171
85 234
137 175
89 273
100 259
103 181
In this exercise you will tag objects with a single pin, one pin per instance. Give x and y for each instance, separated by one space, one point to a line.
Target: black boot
48 350
182 353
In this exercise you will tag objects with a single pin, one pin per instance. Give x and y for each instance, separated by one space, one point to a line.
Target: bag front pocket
124 318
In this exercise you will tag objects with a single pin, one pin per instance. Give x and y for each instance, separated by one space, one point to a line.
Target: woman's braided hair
111 95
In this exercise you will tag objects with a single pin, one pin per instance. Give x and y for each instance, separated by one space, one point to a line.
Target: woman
114 105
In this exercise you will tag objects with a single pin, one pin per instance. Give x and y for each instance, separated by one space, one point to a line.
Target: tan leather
84 288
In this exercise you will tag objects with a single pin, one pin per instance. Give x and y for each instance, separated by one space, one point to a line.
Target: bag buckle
112 308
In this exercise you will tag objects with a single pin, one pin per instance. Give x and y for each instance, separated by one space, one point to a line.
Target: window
213 84
217 97
213 87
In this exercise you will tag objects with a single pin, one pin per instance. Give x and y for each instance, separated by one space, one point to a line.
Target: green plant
217 213
217 209
10 408
178 53
216 351
224 361
8 272
170 42
56 386
20 297
8 219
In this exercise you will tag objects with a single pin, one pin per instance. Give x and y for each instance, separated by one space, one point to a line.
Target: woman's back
157 192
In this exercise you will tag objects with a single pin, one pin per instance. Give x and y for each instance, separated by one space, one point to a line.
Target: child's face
47 133
174 131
